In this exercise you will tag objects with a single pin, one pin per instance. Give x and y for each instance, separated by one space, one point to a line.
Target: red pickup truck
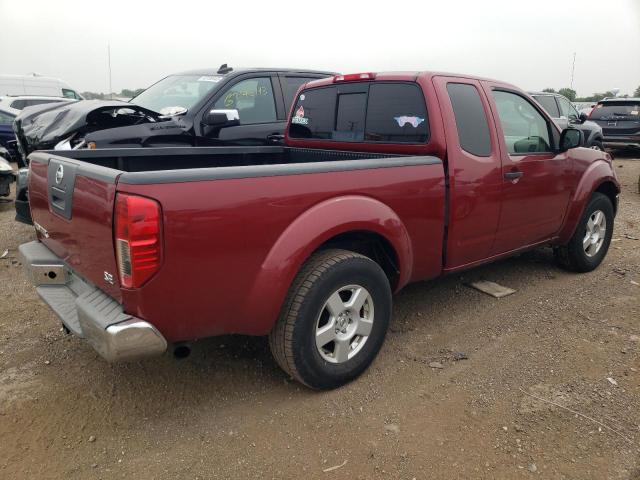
386 179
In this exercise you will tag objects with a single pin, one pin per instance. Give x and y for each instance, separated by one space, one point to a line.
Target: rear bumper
87 311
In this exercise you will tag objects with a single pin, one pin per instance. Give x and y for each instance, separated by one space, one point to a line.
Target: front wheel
590 242
334 319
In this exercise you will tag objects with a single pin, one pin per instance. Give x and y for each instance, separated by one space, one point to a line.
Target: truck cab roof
239 71
400 76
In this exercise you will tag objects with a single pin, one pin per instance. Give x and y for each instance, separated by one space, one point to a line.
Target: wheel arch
358 223
599 178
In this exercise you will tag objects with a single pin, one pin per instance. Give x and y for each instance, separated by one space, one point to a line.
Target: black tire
573 256
597 145
293 338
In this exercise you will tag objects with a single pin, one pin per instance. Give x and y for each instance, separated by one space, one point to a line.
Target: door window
253 98
291 86
471 120
68 93
6 118
525 129
566 109
548 102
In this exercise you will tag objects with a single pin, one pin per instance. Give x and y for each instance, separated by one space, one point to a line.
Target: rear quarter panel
233 246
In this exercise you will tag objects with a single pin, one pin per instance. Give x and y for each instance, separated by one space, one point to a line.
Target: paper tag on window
210 78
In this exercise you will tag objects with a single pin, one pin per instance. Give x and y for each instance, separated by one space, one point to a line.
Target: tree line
124 93
573 96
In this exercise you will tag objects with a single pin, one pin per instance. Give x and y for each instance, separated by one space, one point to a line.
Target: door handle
275 137
513 175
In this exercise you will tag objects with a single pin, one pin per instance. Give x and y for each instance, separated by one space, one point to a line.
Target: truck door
536 183
258 101
474 171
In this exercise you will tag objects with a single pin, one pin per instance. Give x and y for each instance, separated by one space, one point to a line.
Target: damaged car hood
41 127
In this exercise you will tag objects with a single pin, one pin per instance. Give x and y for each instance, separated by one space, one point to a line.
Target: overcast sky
528 43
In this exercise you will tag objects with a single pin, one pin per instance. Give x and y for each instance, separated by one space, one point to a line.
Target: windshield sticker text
210 78
233 96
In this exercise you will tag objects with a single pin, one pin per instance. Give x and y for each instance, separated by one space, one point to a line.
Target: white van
34 84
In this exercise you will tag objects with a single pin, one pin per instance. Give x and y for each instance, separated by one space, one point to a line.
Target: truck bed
234 223
187 158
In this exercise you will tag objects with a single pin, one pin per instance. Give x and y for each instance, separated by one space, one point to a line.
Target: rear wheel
592 237
597 145
334 319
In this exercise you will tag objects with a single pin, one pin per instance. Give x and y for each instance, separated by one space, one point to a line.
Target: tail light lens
138 239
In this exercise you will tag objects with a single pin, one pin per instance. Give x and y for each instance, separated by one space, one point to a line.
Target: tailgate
72 208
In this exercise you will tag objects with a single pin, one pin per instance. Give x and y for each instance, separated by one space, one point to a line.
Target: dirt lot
228 412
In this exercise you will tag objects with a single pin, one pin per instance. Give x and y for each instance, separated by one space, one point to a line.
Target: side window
567 110
68 93
525 130
471 120
18 104
6 119
396 113
548 102
290 88
31 103
253 98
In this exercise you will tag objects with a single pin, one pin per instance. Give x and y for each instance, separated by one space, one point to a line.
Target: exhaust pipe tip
181 350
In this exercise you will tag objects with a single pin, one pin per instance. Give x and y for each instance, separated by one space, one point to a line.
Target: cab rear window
376 112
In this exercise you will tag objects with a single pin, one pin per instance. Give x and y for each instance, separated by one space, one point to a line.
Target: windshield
617 109
176 93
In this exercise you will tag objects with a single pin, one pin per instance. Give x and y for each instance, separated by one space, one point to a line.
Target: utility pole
573 69
109 60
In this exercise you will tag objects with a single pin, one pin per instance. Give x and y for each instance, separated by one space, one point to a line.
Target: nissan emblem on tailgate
59 174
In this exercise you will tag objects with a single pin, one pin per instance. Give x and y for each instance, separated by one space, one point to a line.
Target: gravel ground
544 383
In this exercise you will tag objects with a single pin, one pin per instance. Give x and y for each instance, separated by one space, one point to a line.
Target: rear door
536 181
474 168
72 206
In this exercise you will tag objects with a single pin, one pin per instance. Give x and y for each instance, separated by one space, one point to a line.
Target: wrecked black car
220 107
195 108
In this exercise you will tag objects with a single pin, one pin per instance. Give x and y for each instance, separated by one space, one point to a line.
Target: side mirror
570 138
583 117
222 118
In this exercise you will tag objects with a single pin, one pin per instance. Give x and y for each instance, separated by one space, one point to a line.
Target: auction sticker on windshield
210 78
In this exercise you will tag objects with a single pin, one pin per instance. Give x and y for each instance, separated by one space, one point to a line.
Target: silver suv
565 115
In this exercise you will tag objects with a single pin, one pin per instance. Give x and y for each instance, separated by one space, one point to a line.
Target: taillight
599 105
138 239
352 77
